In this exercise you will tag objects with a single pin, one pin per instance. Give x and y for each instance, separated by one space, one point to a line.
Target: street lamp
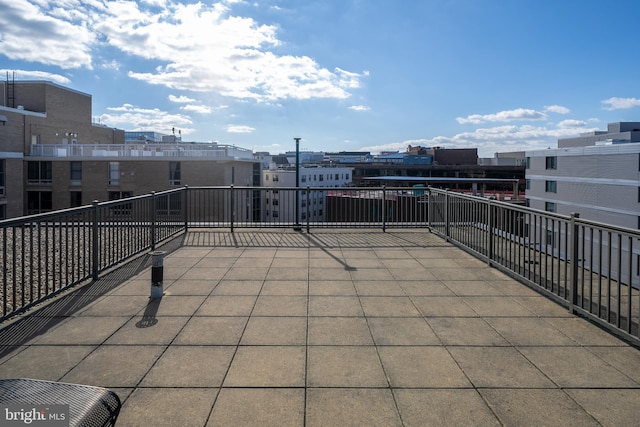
297 226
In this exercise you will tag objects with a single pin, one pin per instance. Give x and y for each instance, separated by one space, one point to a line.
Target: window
304 178
527 184
174 173
121 208
346 176
527 163
551 162
276 178
3 211
550 186
337 177
75 173
321 177
76 199
39 201
551 237
39 173
550 207
114 174
275 202
266 177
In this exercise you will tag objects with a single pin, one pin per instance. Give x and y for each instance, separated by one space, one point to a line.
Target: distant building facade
57 158
278 207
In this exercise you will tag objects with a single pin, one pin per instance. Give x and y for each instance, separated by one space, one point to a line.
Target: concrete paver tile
162 407
267 366
157 330
82 330
496 306
190 366
465 331
332 287
424 367
285 287
224 305
339 331
535 408
344 366
351 407
502 367
275 331
112 305
583 332
402 331
437 407
388 307
611 407
104 367
189 287
247 273
439 306
527 331
624 358
179 305
424 288
576 367
44 362
378 288
340 273
238 287
263 407
204 330
334 306
280 305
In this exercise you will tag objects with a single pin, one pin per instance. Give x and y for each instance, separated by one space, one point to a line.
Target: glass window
39 172
2 165
39 201
75 173
550 207
528 184
550 186
76 199
114 173
527 163
174 173
551 162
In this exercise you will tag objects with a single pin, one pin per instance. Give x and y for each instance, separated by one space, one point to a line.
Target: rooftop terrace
275 327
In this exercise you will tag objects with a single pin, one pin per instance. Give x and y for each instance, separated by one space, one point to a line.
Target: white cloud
572 124
37 75
503 116
240 129
359 108
200 109
620 103
494 139
135 118
181 99
558 109
46 34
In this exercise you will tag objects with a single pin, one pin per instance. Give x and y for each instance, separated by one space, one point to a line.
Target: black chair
88 406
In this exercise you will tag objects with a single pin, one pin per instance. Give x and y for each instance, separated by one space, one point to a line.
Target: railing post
384 208
573 297
446 214
95 246
429 208
185 201
152 229
490 230
232 205
308 198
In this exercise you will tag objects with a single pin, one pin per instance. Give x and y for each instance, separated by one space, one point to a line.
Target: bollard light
157 260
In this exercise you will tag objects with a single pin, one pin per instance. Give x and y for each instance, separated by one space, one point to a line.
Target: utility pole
297 226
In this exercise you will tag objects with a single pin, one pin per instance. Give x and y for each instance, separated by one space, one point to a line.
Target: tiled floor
334 329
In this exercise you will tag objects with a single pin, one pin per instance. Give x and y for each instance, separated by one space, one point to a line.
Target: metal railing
591 268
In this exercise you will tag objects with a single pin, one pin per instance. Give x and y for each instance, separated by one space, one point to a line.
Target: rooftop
349 327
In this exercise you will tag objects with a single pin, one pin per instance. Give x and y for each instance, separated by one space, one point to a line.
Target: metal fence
592 268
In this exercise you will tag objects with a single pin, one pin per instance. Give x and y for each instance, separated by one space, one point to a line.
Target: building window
114 173
39 201
304 178
527 163
551 162
75 173
266 177
2 165
276 178
123 208
76 199
39 173
3 211
550 186
174 173
527 184
346 176
551 237
337 177
321 177
550 207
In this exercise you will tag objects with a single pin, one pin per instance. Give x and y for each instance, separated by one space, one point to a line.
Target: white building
281 205
599 179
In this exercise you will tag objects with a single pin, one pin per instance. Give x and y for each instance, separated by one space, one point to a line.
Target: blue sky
499 75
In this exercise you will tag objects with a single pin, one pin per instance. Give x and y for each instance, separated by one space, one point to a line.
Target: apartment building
596 175
278 206
52 156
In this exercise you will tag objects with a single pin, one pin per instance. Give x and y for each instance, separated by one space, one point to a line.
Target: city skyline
347 75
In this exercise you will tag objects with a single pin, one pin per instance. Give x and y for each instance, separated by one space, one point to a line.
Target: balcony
323 326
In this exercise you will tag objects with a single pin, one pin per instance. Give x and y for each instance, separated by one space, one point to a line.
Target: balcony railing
591 268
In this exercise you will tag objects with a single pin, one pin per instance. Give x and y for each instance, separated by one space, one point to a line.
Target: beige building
53 157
